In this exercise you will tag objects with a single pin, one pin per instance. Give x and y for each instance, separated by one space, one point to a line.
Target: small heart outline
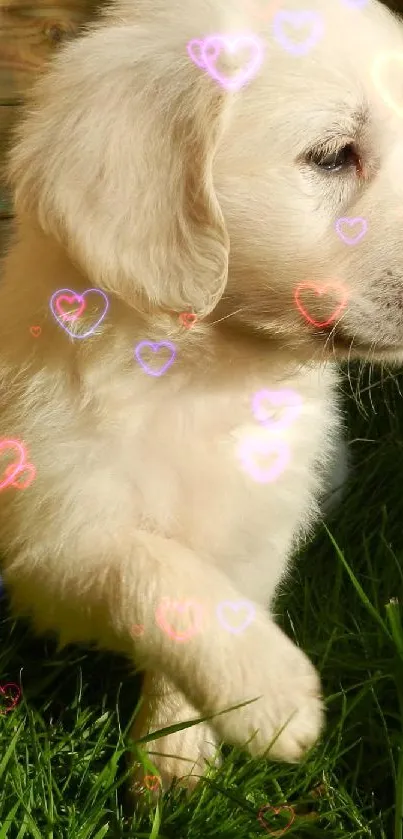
155 346
167 604
74 294
3 691
276 810
319 290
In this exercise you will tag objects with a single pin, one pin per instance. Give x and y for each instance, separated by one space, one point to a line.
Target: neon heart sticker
70 299
287 399
274 449
351 222
65 296
297 20
188 319
276 811
13 470
5 690
27 467
152 782
155 347
319 290
194 48
173 606
235 606
212 46
35 331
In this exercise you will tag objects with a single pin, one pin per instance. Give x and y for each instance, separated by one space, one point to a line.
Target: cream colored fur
137 173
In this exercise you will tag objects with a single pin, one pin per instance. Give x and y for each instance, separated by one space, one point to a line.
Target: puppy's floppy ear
115 160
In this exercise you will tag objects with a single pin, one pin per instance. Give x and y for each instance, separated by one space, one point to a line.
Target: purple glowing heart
351 222
155 347
236 606
252 446
204 54
66 294
297 20
287 399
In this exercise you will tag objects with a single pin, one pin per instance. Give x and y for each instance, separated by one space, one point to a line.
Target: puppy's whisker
231 315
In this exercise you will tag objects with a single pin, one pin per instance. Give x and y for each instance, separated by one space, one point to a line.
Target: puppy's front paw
288 717
185 754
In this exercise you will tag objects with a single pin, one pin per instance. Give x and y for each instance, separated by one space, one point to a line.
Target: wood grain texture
30 33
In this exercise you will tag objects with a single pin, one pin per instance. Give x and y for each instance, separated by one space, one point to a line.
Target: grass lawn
63 747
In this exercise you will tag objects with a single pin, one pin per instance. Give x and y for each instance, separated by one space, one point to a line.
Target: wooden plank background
30 31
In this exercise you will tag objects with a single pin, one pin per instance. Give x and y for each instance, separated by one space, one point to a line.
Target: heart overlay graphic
187 319
205 52
64 298
14 470
297 20
275 811
253 446
35 331
287 399
351 222
376 73
182 607
155 348
235 606
319 290
11 693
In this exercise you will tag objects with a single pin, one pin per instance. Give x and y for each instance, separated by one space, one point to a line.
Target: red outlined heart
172 606
276 811
28 467
151 782
35 331
5 690
12 469
319 290
188 319
69 299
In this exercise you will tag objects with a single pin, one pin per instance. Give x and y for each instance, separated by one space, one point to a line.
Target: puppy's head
170 142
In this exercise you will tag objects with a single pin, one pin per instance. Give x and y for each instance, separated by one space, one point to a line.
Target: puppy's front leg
212 666
182 754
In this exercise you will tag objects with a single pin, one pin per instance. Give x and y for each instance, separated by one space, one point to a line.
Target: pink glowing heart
70 300
28 469
14 469
265 401
204 53
66 296
167 608
251 451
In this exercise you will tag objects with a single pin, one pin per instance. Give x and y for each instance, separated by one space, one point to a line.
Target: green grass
63 749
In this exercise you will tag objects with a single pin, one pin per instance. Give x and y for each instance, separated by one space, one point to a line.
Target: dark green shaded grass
63 750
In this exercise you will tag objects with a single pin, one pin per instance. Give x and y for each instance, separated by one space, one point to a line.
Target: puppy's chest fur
164 456
189 461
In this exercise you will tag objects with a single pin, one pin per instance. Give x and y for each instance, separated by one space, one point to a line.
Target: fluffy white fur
137 173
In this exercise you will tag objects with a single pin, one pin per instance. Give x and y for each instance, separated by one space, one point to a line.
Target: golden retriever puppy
205 224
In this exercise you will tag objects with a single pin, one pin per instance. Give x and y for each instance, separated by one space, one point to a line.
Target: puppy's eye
336 160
